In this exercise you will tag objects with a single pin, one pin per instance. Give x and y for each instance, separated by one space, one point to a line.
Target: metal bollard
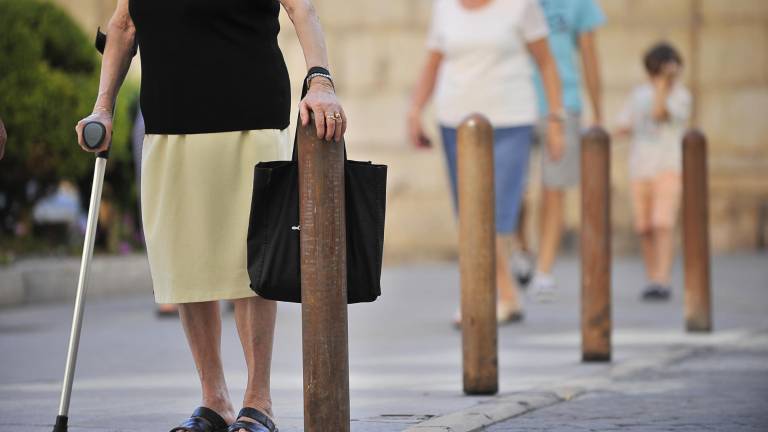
698 306
477 256
595 246
324 283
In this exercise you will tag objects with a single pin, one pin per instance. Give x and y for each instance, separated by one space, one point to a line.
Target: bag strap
295 155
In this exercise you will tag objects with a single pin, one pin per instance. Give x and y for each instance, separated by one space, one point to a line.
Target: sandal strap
265 424
248 426
202 420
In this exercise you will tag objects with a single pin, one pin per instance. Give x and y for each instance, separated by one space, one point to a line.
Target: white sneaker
522 267
543 288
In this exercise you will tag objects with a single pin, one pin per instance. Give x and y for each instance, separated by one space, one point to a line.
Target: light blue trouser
512 148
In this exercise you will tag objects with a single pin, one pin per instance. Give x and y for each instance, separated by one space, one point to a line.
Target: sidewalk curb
46 280
496 410
505 407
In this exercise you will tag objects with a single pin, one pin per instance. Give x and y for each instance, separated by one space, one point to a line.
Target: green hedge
48 81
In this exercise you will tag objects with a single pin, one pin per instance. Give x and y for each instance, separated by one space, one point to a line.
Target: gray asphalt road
135 373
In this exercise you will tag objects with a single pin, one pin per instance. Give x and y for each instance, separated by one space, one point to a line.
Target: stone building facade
377 49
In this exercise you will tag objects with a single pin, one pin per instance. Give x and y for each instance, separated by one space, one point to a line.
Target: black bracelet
318 69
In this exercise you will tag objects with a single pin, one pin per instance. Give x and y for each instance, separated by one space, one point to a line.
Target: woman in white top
478 60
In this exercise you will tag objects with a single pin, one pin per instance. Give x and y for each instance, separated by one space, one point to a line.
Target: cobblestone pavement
719 390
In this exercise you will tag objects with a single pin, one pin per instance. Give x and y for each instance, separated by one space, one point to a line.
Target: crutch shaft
82 284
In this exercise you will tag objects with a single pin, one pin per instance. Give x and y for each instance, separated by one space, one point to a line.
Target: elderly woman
216 101
478 55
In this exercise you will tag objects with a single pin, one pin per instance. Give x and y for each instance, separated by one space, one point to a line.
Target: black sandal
202 420
264 423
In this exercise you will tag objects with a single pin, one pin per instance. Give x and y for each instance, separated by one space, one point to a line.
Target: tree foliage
48 81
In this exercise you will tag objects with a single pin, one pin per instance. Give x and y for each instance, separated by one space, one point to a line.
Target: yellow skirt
195 202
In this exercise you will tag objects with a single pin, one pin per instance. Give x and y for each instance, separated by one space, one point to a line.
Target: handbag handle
295 156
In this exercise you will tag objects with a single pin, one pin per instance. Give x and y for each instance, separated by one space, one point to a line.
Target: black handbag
273 229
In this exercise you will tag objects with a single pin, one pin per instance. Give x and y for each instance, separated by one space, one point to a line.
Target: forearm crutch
94 134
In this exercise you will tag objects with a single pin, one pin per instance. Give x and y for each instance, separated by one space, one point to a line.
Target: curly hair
659 55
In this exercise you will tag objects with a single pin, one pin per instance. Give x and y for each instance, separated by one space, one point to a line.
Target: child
656 116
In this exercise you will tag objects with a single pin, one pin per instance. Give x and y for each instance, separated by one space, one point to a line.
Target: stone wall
376 50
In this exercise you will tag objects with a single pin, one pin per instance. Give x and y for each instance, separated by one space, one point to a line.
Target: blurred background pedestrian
479 61
572 28
656 115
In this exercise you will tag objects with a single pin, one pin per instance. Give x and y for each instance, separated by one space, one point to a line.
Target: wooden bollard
698 306
324 283
595 246
477 256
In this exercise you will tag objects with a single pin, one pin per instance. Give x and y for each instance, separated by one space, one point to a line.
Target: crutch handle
94 134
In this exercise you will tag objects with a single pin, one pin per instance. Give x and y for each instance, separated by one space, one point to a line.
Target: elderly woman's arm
321 98
539 49
114 66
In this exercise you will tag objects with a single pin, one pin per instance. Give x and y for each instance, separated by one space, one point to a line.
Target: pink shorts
656 201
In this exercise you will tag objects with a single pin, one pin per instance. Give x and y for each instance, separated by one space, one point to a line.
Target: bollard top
475 120
596 134
694 137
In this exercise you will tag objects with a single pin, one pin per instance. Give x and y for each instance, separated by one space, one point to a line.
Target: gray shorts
565 172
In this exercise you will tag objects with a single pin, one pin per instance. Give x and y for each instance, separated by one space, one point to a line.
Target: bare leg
508 292
664 251
255 318
521 239
648 246
642 207
666 204
202 325
551 228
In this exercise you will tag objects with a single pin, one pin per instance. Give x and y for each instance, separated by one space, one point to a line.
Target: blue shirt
567 19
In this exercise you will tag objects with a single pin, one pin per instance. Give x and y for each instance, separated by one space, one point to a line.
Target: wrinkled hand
102 116
555 140
416 134
322 101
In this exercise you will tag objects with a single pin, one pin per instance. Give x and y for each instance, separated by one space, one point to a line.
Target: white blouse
486 67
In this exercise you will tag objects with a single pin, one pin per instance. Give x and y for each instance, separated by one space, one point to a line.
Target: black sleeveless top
211 65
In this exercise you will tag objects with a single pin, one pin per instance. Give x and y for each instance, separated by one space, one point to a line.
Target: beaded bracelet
318 71
312 76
